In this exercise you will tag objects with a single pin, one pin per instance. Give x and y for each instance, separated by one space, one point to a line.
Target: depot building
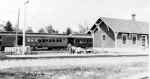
120 33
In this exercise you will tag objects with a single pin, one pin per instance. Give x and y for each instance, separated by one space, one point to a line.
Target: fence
17 50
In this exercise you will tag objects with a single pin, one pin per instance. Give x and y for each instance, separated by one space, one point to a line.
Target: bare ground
101 70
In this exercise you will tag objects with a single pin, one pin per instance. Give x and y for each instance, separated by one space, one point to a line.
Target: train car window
50 40
43 40
81 40
60 40
28 39
57 40
0 37
53 40
91 40
31 40
35 39
63 39
46 40
39 40
87 40
0 42
77 41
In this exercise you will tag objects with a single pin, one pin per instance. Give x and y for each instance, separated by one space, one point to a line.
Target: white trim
116 44
98 25
93 39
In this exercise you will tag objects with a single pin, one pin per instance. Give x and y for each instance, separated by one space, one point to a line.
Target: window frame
134 36
103 37
124 41
143 40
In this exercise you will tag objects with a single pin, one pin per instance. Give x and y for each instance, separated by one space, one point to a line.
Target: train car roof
47 34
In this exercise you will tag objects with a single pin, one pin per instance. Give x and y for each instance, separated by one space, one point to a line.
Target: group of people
78 50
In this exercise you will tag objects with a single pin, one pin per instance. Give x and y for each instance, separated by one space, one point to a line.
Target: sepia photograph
74 39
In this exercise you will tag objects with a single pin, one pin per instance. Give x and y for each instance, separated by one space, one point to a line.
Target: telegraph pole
24 27
17 27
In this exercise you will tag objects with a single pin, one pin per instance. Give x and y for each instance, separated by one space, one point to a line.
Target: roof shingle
129 26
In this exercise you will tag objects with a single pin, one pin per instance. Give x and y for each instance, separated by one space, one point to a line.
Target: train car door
20 40
71 41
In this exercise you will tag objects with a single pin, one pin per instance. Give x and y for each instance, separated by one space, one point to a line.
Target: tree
41 30
68 31
29 30
84 26
83 29
51 30
17 29
56 31
1 28
8 27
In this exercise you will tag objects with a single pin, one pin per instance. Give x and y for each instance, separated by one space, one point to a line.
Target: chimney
133 17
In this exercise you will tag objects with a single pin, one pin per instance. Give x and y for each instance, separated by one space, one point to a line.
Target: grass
104 71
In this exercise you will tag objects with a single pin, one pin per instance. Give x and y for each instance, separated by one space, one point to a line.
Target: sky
70 13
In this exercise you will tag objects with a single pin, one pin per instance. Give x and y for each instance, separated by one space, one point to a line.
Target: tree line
48 29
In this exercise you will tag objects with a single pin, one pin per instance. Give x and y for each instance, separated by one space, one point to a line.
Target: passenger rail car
45 41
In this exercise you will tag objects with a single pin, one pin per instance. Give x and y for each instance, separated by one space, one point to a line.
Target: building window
143 40
124 39
104 37
134 40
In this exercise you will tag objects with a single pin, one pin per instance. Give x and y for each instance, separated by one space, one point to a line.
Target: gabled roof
128 26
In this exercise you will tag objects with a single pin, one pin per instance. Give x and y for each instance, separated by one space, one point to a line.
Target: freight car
45 41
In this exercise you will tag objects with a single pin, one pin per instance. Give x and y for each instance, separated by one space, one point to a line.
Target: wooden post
17 27
93 38
116 34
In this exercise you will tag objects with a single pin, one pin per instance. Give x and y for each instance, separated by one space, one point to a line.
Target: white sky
70 13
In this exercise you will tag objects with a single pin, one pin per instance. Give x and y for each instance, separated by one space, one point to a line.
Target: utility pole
17 27
24 27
